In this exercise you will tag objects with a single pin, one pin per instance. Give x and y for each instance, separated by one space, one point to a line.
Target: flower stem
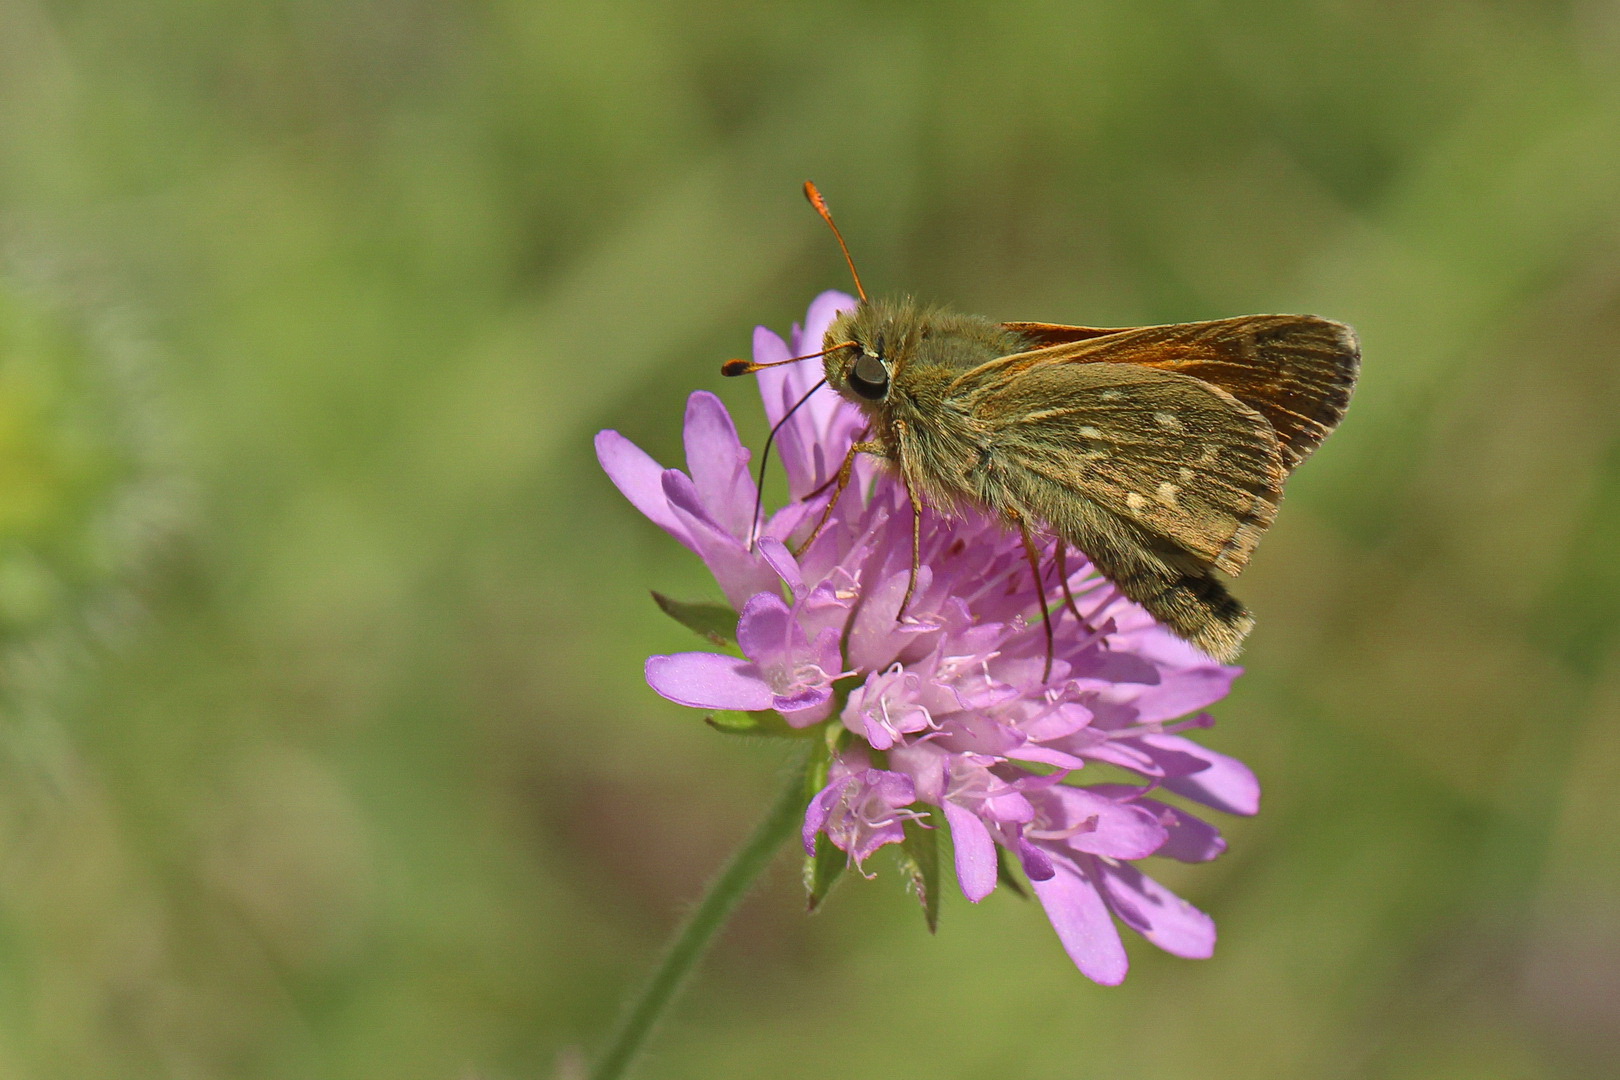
693 937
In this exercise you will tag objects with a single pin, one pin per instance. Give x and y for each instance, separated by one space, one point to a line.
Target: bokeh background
324 750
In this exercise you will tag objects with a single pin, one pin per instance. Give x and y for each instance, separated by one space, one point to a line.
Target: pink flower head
945 713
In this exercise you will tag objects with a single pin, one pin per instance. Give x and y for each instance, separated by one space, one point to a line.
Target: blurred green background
324 750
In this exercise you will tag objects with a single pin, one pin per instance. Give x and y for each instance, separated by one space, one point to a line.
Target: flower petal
1189 839
708 681
765 632
1037 866
817 321
809 714
740 572
780 559
777 388
811 448
1182 692
815 815
927 765
826 422
1057 723
801 701
769 348
641 480
1111 666
718 464
1045 755
1083 925
975 852
1121 830
877 635
1227 784
1158 914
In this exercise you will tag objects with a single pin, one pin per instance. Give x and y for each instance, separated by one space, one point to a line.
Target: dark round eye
869 377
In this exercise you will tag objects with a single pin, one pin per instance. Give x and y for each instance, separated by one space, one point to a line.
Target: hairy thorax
899 363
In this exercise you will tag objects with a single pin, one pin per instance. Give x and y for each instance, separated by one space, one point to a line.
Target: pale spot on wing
1112 395
1134 501
1090 432
1167 493
1168 421
1184 474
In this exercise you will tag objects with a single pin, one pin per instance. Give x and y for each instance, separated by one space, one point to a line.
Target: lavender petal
975 852
718 464
709 681
1083 925
1226 784
640 479
1165 918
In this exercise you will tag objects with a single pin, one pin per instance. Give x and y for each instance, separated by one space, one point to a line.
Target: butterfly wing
1042 334
1158 477
1297 371
1168 453
1159 451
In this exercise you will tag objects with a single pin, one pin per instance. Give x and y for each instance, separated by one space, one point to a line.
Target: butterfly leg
845 471
1040 586
1060 557
840 477
822 490
916 520
916 549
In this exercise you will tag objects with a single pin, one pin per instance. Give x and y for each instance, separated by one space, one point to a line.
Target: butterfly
1159 452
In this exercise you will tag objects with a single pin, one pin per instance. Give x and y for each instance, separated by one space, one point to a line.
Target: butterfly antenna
820 204
765 457
748 367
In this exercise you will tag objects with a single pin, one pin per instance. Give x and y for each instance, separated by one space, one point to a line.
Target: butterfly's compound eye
870 377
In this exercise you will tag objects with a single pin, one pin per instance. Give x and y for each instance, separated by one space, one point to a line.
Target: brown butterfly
1159 452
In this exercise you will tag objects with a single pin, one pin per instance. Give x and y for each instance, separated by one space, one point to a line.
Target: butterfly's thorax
920 420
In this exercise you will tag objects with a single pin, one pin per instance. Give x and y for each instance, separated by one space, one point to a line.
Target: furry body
1159 452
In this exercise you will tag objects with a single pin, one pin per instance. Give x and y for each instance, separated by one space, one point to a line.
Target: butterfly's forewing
1042 334
1168 453
1297 371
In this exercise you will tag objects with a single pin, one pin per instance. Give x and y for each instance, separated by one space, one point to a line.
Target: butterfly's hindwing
1168 453
1177 588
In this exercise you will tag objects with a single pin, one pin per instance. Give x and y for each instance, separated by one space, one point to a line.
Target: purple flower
861 808
784 669
945 714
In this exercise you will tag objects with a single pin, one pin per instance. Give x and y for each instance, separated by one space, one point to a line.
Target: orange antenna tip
748 367
813 193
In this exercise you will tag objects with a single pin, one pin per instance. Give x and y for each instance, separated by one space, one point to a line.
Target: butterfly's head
883 344
858 364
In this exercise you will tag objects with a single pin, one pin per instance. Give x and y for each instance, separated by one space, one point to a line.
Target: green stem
692 939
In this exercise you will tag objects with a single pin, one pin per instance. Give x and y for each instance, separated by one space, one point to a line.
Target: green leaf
734 723
822 871
764 722
1004 874
919 861
715 623
820 764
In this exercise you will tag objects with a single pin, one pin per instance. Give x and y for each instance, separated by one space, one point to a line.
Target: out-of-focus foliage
323 745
